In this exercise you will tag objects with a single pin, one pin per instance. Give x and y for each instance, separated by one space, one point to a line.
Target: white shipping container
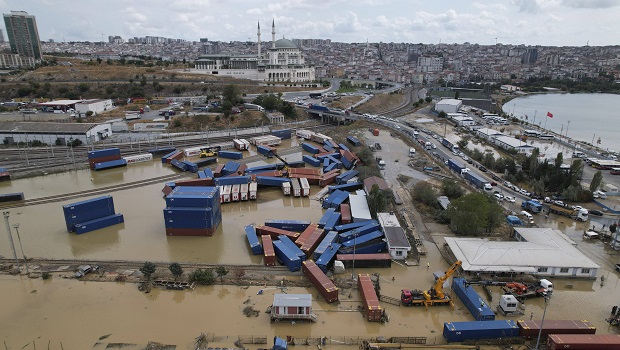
296 187
243 192
235 193
304 134
221 194
246 143
147 157
226 193
253 190
305 187
239 144
191 152
286 188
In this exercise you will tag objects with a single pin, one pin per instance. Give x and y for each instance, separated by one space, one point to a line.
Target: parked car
499 196
483 169
495 177
560 203
83 270
510 199
596 212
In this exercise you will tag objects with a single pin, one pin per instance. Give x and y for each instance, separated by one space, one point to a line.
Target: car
493 183
596 212
469 161
433 146
465 158
495 177
483 169
83 270
445 162
560 203
576 207
510 199
617 267
499 196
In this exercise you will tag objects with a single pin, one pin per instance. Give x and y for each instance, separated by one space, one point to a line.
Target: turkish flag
549 115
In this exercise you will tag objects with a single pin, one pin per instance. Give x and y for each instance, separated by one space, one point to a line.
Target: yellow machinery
209 151
436 296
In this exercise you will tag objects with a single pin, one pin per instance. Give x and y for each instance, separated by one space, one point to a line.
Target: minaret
273 34
258 34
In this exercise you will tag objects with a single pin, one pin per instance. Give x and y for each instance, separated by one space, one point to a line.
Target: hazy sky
530 22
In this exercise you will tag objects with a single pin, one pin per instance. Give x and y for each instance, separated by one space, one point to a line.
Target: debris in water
249 311
104 336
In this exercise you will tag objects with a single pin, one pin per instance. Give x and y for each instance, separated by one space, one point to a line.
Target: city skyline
528 22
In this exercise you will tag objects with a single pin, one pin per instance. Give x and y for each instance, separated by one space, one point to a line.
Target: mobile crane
435 295
207 152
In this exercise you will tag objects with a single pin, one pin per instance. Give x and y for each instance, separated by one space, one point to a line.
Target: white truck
412 152
253 107
428 145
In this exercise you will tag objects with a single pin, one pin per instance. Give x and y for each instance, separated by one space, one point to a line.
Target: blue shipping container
271 181
164 159
99 223
230 154
343 147
261 168
333 220
360 231
163 150
230 167
311 160
346 176
282 133
87 210
189 196
336 161
330 238
325 217
190 213
191 166
328 148
325 261
108 152
179 165
348 187
462 331
288 258
206 161
333 155
310 148
353 140
253 241
289 225
111 164
353 225
266 151
472 300
292 247
372 247
335 199
330 167
236 180
363 239
346 163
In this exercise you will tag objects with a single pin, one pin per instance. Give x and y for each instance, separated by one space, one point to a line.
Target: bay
583 117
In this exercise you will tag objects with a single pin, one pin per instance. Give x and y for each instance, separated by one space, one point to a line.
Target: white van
529 217
488 187
411 152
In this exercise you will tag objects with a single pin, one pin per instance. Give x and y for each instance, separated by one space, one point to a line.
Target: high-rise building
1 36
21 29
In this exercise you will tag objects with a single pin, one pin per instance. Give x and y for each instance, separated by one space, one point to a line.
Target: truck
450 146
380 163
319 108
253 107
456 166
577 214
532 206
474 179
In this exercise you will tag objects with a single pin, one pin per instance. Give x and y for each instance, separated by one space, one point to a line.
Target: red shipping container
5 176
328 180
313 241
371 310
190 231
531 329
275 232
218 170
320 281
583 341
345 213
305 234
335 171
93 161
196 182
269 255
242 168
306 171
166 190
177 156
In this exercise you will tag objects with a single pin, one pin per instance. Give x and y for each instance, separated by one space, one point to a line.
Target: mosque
282 62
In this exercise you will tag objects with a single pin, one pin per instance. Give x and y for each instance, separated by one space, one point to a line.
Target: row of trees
273 102
200 276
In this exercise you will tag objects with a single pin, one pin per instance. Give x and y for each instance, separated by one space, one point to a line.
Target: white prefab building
510 143
537 251
359 207
292 306
397 242
448 105
488 134
95 106
464 121
53 133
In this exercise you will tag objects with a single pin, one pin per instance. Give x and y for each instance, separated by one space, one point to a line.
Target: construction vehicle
435 295
577 214
517 288
207 152
413 297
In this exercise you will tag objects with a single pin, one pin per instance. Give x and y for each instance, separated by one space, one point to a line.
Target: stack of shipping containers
90 215
192 211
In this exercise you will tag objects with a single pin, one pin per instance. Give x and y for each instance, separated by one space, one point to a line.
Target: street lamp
547 297
8 231
16 227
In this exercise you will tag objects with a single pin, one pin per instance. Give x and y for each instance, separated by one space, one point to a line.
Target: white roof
512 142
292 300
60 103
489 132
388 220
450 101
544 247
463 119
359 207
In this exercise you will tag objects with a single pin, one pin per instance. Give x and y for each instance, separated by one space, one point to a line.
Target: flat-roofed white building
488 134
538 251
53 133
397 242
510 143
448 105
96 106
464 121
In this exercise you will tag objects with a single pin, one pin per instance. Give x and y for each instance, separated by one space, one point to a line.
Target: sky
528 22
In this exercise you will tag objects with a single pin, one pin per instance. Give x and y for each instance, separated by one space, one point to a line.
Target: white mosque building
282 62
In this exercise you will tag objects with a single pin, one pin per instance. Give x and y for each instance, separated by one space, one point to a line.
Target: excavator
434 296
207 152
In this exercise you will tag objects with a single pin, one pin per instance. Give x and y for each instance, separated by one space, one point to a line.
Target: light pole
547 297
8 231
354 241
16 227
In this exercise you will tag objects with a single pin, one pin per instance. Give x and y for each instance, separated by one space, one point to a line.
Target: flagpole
546 121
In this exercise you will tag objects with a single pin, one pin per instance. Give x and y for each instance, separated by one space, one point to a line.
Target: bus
615 171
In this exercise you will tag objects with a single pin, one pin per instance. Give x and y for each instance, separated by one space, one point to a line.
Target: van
411 152
578 154
488 187
529 217
599 194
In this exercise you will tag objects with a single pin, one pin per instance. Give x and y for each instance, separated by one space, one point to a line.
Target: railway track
123 186
403 108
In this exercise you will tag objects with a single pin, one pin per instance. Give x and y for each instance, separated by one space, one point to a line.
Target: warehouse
53 133
537 251
397 242
94 106
448 105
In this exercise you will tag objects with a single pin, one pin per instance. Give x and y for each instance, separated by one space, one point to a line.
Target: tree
596 181
148 269
231 93
451 189
203 277
377 200
474 212
424 192
221 271
176 270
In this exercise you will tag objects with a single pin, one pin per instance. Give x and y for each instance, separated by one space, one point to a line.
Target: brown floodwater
78 313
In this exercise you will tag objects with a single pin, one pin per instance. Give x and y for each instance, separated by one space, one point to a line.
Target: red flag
549 115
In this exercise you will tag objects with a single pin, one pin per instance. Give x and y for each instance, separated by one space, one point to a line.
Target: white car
433 146
509 199
560 203
499 196
576 207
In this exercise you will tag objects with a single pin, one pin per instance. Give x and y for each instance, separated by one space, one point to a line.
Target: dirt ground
380 103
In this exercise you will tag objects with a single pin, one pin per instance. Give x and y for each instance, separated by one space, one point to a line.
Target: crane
436 295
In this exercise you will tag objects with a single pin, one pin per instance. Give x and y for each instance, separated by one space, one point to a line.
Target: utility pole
547 297
16 227
8 231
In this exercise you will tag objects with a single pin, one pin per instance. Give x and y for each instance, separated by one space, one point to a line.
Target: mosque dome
285 44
